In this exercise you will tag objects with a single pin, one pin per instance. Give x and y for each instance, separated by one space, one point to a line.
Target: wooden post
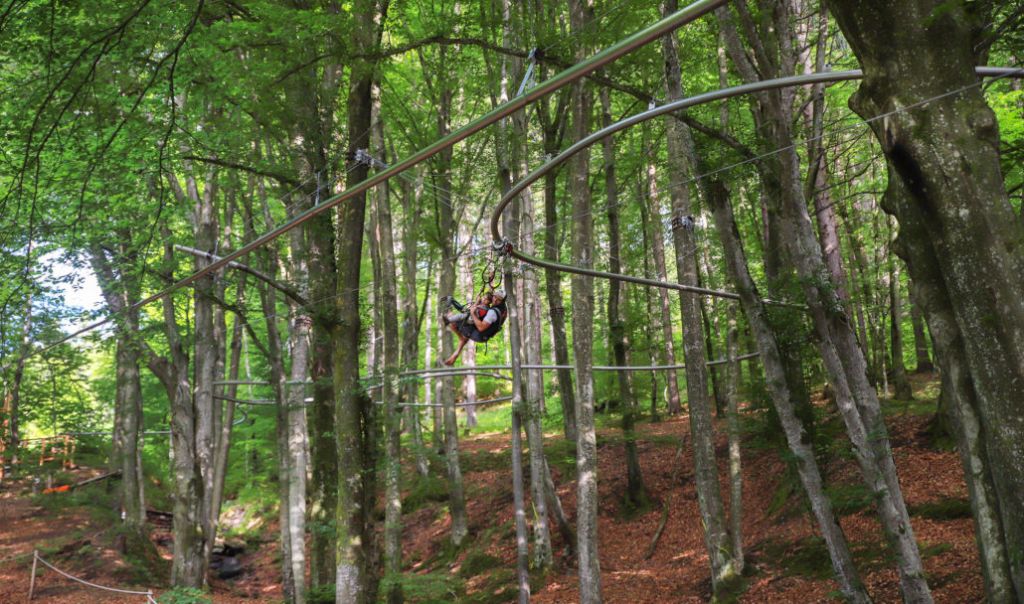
32 582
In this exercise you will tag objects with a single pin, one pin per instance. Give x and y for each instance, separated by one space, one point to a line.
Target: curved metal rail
650 33
700 99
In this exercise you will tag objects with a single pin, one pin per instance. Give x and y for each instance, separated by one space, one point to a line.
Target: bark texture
635 495
355 581
709 495
384 242
583 334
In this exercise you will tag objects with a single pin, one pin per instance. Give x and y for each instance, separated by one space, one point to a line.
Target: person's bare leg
458 351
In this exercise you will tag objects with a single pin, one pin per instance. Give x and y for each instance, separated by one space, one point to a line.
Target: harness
495 327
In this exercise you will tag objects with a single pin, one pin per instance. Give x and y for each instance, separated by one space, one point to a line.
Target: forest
485 301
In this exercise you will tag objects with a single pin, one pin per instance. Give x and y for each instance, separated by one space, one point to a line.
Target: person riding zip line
478 322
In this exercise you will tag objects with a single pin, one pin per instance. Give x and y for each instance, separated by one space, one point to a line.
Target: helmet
499 293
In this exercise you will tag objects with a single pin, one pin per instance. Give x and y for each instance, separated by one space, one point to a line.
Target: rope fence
36 558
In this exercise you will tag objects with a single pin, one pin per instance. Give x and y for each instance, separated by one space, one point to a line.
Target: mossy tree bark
355 579
635 496
583 330
120 291
709 494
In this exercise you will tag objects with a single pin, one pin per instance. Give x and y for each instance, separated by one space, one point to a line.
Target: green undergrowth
894 407
184 595
808 557
96 499
947 508
849 498
483 460
423 491
466 574
561 456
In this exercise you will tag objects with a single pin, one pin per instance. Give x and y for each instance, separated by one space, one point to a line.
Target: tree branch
291 293
281 178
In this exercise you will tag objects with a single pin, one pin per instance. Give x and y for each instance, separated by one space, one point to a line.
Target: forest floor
785 560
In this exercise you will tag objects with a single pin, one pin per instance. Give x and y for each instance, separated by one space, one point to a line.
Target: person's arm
483 324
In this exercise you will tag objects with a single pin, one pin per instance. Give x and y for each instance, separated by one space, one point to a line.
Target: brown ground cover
785 562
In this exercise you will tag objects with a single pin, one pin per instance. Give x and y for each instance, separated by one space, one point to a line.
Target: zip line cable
996 73
595 62
506 247
666 222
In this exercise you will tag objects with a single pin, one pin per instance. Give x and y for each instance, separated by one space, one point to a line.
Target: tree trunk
583 332
924 361
552 131
837 344
817 179
465 279
411 318
855 395
188 564
296 432
655 234
129 380
430 386
198 453
959 397
650 327
635 496
355 581
782 396
518 499
12 398
778 267
732 378
276 366
944 161
205 344
901 384
120 292
709 496
446 287
230 391
323 492
384 242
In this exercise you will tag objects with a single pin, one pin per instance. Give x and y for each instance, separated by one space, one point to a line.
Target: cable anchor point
683 222
503 247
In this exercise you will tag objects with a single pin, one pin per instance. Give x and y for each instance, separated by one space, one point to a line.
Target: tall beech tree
355 579
681 163
583 329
